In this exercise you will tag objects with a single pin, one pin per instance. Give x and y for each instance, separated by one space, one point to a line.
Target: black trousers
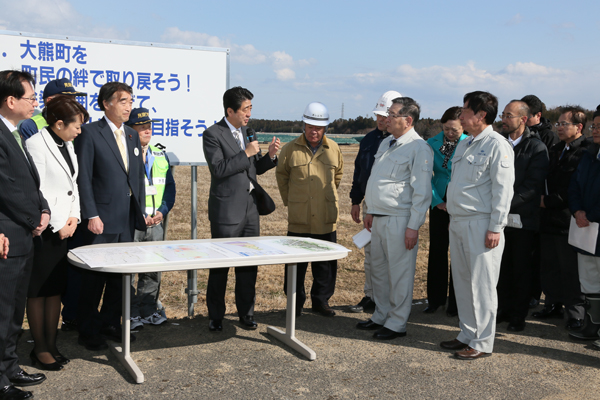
15 273
437 265
94 284
560 274
245 277
324 276
516 271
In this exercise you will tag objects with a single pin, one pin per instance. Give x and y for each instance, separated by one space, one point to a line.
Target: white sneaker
135 323
154 319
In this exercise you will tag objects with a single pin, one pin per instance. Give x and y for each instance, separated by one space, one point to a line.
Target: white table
119 258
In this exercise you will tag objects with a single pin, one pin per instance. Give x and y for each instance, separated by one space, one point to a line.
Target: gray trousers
144 300
368 285
392 272
475 271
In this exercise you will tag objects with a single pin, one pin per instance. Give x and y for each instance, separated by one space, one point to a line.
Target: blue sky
291 53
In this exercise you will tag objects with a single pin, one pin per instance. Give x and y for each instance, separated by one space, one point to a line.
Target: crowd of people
502 203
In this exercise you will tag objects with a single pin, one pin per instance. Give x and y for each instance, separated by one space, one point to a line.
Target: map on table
165 253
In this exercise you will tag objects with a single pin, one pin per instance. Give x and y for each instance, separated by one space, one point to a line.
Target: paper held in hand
362 238
583 238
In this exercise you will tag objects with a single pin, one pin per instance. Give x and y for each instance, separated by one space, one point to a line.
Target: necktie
393 142
17 136
121 146
236 136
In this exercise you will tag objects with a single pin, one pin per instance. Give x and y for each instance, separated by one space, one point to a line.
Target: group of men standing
117 194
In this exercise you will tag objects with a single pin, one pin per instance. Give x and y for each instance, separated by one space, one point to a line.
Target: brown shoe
453 345
470 354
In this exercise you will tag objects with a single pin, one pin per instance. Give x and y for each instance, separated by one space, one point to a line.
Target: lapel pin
136 152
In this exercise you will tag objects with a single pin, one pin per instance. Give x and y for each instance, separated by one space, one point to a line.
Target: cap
139 116
61 86
385 102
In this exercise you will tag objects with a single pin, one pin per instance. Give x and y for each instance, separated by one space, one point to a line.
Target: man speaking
234 160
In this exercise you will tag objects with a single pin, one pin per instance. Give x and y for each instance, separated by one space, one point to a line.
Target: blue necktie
393 142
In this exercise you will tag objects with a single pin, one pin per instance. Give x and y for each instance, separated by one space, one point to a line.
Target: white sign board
182 86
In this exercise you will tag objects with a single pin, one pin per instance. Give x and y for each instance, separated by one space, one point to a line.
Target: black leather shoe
115 334
454 344
502 316
325 310
533 303
430 309
574 324
516 325
25 379
365 305
248 322
69 325
368 325
215 325
55 366
549 311
94 343
12 393
387 334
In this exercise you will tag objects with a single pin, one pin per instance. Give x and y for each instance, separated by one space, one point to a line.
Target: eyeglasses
563 124
31 100
392 115
509 116
593 127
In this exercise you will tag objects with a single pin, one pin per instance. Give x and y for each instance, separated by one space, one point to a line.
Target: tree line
426 127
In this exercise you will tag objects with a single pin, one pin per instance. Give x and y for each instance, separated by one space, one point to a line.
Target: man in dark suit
234 160
24 214
111 189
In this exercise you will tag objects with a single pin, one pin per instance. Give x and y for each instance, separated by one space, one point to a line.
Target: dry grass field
269 287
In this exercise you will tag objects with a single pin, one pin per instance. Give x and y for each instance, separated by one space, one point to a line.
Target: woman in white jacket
53 155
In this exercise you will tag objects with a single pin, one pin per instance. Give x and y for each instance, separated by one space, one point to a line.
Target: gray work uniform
398 195
479 197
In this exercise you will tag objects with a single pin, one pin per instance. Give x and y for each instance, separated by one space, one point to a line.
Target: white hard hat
385 102
316 114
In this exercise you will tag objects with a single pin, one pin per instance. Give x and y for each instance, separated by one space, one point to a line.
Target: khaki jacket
308 185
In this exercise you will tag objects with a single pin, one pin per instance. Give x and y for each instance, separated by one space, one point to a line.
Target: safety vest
160 166
40 121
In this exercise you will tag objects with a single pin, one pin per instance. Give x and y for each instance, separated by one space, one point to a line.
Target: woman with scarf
443 146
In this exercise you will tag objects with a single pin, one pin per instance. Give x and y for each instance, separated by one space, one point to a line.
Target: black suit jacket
230 173
21 202
104 184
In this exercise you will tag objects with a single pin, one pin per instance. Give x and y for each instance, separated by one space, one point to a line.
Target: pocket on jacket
298 211
477 166
331 209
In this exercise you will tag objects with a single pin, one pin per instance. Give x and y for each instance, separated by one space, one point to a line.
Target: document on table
362 238
583 238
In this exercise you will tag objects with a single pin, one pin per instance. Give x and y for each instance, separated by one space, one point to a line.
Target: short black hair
577 114
10 83
596 113
234 97
108 90
410 108
535 104
64 108
451 114
483 101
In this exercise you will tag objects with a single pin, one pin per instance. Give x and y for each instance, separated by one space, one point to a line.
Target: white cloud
53 17
285 74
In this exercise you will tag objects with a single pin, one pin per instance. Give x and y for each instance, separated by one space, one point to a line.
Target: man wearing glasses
398 196
560 278
479 196
531 167
24 214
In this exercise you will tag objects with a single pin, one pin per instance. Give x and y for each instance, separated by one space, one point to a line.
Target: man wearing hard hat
308 175
362 170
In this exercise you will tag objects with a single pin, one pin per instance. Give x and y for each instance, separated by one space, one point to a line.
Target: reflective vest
158 174
40 122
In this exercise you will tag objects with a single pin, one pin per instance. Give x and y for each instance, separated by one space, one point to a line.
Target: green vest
40 122
160 166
